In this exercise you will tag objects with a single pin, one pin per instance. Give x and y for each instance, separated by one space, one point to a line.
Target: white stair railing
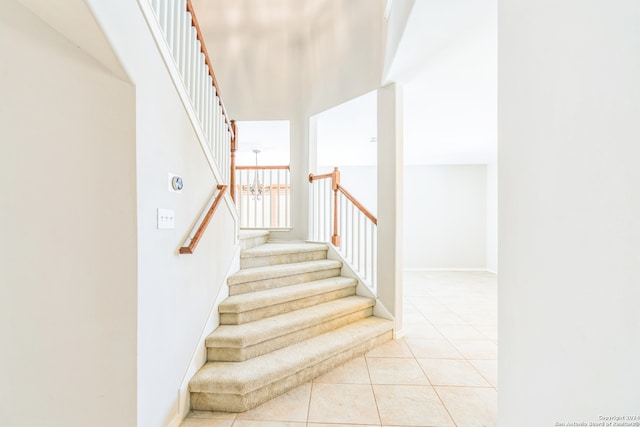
337 217
185 43
263 196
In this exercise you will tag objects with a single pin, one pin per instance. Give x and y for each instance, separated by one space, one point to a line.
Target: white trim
379 310
199 355
387 9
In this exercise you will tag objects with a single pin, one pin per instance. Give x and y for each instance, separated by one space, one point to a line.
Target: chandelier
256 189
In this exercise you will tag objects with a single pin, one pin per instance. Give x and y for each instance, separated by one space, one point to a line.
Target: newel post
234 147
335 181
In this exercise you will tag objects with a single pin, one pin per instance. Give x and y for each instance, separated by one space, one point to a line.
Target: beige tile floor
441 373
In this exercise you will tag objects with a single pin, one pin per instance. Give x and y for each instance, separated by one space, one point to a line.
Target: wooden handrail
207 61
335 187
313 177
205 222
358 204
278 167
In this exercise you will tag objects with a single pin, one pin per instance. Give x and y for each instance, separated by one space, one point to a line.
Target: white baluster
351 237
205 106
248 196
209 108
203 96
187 56
286 199
322 209
342 215
366 251
270 207
279 223
374 245
177 35
193 60
170 25
164 9
177 29
361 241
228 154
243 216
200 90
214 126
184 46
220 142
214 121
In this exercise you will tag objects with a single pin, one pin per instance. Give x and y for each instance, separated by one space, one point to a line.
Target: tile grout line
375 399
465 358
480 372
309 405
432 386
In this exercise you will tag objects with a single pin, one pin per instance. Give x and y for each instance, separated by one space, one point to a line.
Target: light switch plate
166 219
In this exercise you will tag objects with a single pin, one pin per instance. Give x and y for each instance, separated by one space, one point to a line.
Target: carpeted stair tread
252 238
244 377
289 317
282 253
269 297
277 271
281 248
252 333
250 234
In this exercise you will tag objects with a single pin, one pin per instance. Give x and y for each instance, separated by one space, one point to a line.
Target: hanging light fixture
256 189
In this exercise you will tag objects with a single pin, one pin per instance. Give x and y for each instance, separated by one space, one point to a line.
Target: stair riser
252 242
238 403
276 282
228 354
285 307
263 261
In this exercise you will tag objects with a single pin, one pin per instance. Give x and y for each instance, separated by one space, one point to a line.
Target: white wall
167 302
361 182
492 217
445 215
68 244
175 292
450 213
569 211
345 133
447 60
390 201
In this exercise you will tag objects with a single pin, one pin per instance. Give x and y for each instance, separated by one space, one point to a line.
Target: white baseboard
379 310
199 357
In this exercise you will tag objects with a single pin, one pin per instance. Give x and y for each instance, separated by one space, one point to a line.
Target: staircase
289 318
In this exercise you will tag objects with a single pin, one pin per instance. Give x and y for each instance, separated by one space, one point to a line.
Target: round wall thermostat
176 182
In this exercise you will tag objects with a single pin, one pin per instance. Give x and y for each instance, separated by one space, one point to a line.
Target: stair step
239 386
236 343
274 276
282 253
243 308
252 238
